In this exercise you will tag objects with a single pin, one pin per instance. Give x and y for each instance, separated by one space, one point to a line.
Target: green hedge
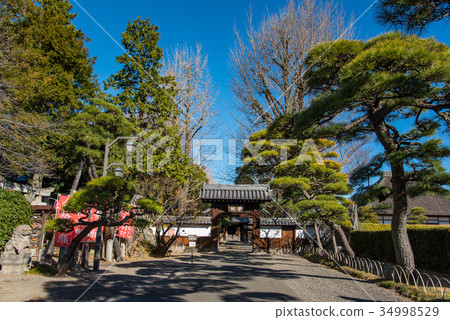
430 244
14 211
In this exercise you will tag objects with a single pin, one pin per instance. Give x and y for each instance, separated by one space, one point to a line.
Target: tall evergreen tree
395 87
52 71
147 99
412 15
48 75
145 95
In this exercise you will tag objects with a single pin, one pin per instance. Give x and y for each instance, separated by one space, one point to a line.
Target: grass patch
411 292
43 270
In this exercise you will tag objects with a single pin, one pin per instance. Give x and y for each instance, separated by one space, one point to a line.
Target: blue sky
208 22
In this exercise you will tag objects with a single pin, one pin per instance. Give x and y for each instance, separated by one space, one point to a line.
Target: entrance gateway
241 202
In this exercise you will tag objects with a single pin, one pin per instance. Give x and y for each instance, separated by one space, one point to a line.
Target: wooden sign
192 238
235 209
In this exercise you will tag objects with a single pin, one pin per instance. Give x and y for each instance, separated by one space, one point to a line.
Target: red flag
125 230
63 239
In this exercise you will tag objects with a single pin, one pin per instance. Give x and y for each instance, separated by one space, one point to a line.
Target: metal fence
387 271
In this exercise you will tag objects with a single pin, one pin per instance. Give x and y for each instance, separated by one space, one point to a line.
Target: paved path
228 276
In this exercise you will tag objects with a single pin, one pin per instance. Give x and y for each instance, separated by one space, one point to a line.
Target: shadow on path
173 280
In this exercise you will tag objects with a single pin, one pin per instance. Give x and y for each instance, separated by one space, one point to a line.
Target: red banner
126 230
60 202
63 239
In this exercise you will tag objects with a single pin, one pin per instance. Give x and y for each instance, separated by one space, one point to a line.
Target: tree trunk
36 183
355 218
98 248
92 169
316 231
71 250
333 240
342 237
76 180
85 256
404 255
116 245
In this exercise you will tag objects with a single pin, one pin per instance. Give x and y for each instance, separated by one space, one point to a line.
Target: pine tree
305 178
388 83
412 15
98 121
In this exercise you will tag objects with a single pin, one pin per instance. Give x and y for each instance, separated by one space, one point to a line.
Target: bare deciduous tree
353 154
195 92
267 65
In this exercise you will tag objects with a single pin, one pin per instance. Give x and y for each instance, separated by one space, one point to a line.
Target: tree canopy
412 15
145 95
46 74
394 86
306 179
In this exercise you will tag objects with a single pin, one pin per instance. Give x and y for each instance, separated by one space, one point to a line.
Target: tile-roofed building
205 220
278 222
237 193
436 205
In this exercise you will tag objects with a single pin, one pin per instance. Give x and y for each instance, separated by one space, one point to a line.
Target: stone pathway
232 275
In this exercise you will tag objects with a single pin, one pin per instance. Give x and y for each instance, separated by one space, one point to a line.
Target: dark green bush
430 244
14 211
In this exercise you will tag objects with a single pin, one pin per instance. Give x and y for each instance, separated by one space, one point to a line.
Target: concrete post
62 253
109 250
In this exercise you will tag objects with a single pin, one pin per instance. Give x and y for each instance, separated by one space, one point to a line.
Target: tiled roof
201 220
188 220
435 204
278 222
238 192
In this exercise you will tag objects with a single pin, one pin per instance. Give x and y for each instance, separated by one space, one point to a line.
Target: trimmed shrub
430 244
375 227
14 211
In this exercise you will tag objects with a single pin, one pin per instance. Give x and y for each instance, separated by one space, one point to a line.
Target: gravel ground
228 276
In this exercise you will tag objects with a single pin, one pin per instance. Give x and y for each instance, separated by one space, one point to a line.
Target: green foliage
367 214
105 193
368 226
98 121
258 135
141 223
430 244
43 270
144 94
309 183
53 224
47 75
368 88
417 215
14 211
52 71
412 15
150 206
224 223
146 97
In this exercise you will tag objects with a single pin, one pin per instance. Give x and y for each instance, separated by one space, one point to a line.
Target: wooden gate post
215 230
256 237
